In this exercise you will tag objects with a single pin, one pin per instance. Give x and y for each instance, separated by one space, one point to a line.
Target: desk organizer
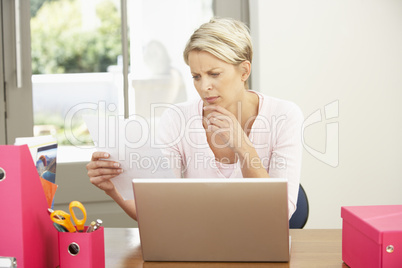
82 249
372 236
26 231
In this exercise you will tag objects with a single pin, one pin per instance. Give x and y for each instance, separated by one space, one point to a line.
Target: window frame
17 112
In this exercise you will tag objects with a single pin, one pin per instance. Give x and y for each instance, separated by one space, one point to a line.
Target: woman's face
216 81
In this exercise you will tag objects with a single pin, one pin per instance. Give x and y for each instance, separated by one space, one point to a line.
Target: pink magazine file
82 249
26 231
372 236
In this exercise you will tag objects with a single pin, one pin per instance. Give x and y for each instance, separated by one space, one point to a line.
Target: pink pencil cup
82 249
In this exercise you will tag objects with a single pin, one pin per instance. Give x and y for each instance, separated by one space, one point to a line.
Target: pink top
275 134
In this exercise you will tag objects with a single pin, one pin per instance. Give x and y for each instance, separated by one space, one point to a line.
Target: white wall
348 53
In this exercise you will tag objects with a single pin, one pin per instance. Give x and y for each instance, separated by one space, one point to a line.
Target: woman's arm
250 162
286 156
285 161
127 205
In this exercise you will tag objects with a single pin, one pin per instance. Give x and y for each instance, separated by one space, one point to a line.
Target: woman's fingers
225 126
95 172
221 120
218 109
99 179
103 182
96 164
101 170
99 155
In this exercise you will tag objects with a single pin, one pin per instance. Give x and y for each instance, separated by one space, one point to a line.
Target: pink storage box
82 249
372 236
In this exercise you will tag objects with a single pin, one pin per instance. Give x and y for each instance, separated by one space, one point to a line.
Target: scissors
58 215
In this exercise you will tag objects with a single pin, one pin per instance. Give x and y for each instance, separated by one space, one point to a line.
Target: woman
230 131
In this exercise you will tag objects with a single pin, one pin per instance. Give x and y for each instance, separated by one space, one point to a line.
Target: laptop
214 220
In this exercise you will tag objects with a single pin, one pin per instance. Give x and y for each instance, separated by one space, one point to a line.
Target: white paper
130 143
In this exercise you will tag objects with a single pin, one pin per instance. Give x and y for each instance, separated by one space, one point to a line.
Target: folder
26 231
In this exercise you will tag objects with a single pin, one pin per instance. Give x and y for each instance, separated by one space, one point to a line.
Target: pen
98 224
94 226
91 227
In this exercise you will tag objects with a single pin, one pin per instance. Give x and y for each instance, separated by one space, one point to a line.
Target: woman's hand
100 171
225 128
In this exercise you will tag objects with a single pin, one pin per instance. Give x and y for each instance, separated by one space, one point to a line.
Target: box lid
374 220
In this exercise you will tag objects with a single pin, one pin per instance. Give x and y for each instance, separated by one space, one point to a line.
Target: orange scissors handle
80 223
66 222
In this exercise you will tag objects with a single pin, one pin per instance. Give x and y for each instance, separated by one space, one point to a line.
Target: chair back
300 216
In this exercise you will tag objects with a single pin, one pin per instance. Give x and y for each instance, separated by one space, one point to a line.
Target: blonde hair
225 38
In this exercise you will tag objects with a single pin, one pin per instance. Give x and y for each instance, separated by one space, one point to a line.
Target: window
79 66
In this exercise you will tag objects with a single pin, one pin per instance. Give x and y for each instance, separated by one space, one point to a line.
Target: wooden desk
310 248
